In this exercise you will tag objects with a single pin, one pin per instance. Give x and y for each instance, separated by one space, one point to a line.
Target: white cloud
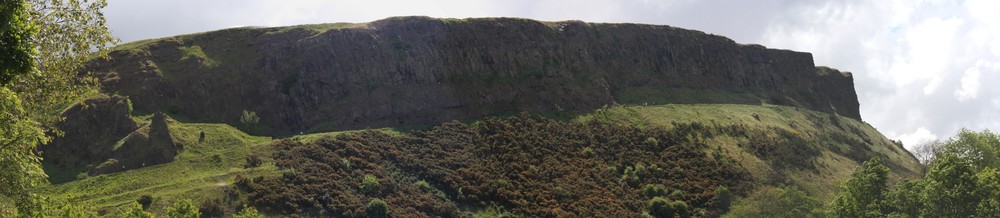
970 83
915 138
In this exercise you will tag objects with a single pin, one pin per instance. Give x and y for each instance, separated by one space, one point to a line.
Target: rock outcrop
418 70
100 136
90 131
146 147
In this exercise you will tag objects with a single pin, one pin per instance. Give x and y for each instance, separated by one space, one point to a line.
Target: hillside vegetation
609 162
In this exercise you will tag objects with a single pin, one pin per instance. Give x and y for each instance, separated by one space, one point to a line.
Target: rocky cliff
419 70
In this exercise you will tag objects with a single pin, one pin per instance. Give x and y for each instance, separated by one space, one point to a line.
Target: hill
478 117
422 71
505 165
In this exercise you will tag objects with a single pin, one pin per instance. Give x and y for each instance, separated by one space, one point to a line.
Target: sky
923 69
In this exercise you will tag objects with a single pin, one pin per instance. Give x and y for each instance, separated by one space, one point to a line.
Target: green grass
196 52
193 174
817 128
197 175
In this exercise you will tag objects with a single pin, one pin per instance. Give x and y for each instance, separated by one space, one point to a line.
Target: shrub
661 207
252 162
654 190
183 209
377 208
369 184
248 212
722 198
424 186
587 152
212 208
145 201
249 121
135 210
216 158
652 142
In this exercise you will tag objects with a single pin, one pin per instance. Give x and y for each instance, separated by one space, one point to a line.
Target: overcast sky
923 68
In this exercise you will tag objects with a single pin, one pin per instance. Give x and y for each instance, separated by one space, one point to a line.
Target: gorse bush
377 208
248 212
369 184
183 209
662 208
135 210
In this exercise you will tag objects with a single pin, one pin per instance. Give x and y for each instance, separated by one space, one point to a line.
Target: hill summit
407 71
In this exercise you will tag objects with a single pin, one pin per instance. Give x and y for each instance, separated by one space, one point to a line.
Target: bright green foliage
43 44
980 149
248 212
778 203
661 207
19 167
905 198
369 184
950 188
377 208
988 182
135 210
864 193
183 209
58 207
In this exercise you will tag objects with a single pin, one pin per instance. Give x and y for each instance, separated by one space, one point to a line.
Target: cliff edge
417 70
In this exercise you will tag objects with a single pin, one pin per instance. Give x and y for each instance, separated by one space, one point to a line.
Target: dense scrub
531 166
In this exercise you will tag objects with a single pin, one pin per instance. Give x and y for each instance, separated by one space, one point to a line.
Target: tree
19 168
249 120
905 198
980 149
950 188
183 209
135 210
44 43
15 41
863 195
988 182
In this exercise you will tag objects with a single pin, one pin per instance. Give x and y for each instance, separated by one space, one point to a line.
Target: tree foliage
962 182
183 209
864 193
45 43
135 210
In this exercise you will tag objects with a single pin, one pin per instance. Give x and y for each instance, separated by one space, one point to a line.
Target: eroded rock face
92 132
418 70
144 147
90 129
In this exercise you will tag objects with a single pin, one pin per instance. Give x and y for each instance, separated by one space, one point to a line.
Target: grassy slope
196 174
193 174
816 127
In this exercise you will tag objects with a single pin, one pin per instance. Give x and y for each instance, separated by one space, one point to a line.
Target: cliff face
417 70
